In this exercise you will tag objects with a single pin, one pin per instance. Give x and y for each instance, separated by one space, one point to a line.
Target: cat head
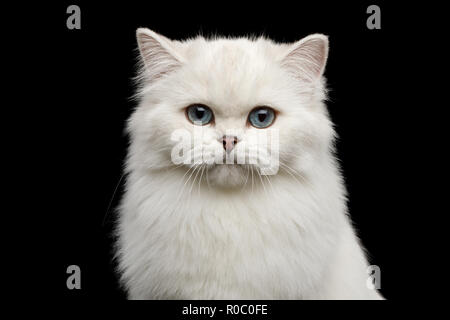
230 107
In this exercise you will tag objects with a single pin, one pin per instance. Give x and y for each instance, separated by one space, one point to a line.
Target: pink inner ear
307 59
157 59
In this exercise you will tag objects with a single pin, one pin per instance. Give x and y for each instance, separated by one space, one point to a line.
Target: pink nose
229 142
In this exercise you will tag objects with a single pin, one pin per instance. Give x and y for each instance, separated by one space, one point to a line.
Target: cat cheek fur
286 236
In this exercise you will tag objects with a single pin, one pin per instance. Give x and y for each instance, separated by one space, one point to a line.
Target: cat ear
158 54
306 58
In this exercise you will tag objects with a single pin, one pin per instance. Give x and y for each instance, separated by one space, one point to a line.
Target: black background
85 84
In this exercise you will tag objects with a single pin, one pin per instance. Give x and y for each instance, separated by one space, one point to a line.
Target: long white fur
224 231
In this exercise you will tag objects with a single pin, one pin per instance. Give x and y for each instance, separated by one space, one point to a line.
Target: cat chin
228 175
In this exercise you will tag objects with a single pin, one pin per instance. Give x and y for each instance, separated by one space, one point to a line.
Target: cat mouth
230 165
233 174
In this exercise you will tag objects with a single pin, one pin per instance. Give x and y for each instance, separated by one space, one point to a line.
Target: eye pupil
199 113
261 116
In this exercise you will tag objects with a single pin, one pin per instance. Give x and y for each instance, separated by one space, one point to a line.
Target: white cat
225 231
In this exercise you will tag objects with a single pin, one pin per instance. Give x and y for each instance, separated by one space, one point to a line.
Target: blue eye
199 114
261 117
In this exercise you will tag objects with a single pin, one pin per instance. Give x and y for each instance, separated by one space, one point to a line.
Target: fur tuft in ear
157 53
306 58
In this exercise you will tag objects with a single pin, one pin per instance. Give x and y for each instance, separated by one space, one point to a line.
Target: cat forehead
230 50
231 73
